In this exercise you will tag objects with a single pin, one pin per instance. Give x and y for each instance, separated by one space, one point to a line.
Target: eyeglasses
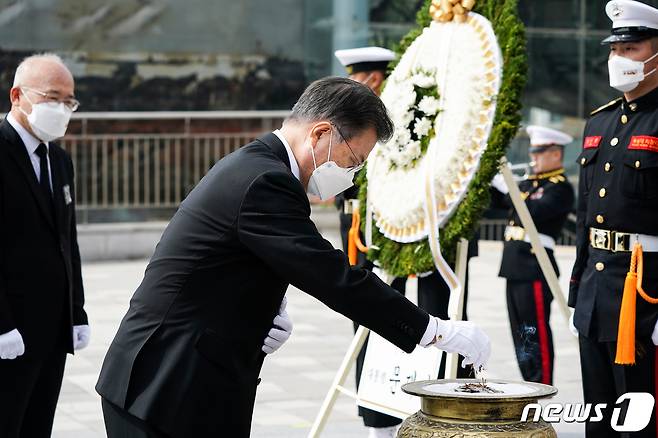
72 104
359 165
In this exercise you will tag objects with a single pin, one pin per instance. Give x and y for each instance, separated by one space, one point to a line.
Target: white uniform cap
364 58
541 136
631 21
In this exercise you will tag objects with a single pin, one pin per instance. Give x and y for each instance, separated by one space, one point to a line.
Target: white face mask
48 120
329 179
626 74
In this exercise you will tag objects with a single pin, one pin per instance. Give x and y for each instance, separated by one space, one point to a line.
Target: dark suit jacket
187 355
40 282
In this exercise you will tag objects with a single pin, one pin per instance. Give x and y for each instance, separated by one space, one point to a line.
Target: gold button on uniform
624 119
599 266
633 106
607 167
614 141
583 160
599 218
637 164
602 193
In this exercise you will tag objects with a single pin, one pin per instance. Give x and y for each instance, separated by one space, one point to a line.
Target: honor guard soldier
366 65
549 197
617 227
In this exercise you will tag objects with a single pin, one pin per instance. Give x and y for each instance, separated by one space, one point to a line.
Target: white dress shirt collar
31 142
294 167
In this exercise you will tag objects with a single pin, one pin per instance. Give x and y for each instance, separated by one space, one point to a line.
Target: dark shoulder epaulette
607 107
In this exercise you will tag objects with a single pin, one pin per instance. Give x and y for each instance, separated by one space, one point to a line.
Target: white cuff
430 332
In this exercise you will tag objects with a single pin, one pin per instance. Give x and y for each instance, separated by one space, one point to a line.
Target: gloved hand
281 330
81 335
654 335
498 183
574 330
465 338
11 345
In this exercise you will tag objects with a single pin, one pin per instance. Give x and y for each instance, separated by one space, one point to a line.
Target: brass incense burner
461 408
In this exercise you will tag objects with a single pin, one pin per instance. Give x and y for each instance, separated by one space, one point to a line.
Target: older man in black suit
186 359
41 295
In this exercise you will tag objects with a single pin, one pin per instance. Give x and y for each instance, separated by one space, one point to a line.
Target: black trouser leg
40 411
529 310
605 382
29 389
17 380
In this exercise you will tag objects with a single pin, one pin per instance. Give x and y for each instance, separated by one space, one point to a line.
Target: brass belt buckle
600 239
514 233
620 242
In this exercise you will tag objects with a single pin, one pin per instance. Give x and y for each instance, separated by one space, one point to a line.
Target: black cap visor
630 35
366 66
543 148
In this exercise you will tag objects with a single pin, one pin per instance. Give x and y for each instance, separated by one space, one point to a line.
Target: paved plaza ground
297 377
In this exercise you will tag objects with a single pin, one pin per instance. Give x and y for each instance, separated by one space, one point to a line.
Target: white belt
518 233
617 241
545 240
649 243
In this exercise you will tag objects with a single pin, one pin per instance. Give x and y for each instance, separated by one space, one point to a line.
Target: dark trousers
29 389
120 424
529 310
604 382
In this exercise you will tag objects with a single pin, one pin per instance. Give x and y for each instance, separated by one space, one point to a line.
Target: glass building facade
255 54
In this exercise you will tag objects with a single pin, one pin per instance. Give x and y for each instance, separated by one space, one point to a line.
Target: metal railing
125 175
142 171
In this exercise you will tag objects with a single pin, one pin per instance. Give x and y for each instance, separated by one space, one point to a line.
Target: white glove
281 330
11 345
654 335
574 330
465 338
498 183
81 335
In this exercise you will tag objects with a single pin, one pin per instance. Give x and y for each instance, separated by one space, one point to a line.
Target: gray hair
23 67
349 105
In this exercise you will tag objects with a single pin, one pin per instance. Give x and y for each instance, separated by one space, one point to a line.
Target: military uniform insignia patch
644 142
592 142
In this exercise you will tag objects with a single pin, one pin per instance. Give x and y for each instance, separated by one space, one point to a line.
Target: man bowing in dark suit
41 296
187 355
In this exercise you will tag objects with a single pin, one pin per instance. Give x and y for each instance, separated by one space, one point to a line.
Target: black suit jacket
41 290
187 355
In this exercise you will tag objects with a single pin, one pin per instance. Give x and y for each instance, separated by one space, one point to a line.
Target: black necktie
44 178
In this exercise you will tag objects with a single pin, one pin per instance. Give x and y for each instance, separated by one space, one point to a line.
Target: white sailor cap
541 137
631 21
364 59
